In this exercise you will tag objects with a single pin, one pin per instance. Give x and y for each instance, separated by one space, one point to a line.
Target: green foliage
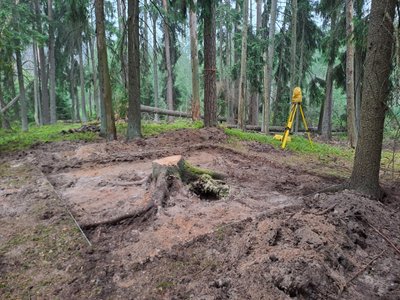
18 140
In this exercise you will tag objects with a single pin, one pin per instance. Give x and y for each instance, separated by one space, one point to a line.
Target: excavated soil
274 236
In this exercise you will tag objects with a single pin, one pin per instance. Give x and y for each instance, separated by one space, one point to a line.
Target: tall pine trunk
155 66
378 63
210 95
351 122
96 98
36 105
108 118
134 130
195 64
82 82
170 100
52 64
22 97
243 69
269 61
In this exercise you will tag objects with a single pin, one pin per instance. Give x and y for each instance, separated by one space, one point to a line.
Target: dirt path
272 237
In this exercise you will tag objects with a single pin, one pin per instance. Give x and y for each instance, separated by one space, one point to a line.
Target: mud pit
272 237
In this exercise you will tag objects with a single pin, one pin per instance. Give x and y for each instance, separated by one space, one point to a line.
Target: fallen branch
359 272
385 238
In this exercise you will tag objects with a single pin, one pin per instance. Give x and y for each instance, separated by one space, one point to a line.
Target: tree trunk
210 95
52 64
365 175
37 105
293 56
110 131
155 66
122 30
43 73
82 82
351 124
170 100
269 61
326 129
195 65
243 69
134 129
96 99
22 97
74 97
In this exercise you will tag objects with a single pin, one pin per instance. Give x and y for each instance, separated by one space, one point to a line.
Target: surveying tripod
296 104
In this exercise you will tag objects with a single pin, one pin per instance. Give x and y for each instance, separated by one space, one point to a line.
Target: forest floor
274 236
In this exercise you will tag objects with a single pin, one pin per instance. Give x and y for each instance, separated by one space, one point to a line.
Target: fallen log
173 113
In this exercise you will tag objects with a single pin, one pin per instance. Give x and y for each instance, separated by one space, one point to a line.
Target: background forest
263 49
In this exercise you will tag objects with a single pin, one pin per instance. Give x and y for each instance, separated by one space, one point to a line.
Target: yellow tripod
296 103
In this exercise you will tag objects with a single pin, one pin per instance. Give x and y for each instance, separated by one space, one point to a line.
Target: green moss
163 285
191 172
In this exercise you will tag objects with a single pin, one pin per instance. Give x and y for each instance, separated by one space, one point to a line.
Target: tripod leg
289 125
305 124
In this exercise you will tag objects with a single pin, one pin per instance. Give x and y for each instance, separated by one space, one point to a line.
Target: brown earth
274 236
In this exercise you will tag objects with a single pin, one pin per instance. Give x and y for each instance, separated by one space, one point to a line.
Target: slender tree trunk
22 97
365 175
269 59
155 66
82 82
170 100
96 99
134 129
52 64
195 65
326 129
293 55
110 130
358 74
243 69
210 95
37 105
74 97
293 46
351 124
45 101
122 30
301 59
90 100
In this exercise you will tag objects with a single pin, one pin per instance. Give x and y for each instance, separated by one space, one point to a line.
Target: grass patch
19 140
297 144
152 129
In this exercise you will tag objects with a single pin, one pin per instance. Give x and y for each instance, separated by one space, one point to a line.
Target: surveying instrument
296 104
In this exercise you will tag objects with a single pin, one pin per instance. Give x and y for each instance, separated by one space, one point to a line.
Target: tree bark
5 123
351 124
365 175
155 66
326 130
96 99
45 102
37 105
52 64
22 97
269 60
243 69
134 122
195 64
122 29
210 95
82 82
170 100
293 55
109 126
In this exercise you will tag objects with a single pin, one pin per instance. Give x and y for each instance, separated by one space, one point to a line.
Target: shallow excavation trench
144 207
